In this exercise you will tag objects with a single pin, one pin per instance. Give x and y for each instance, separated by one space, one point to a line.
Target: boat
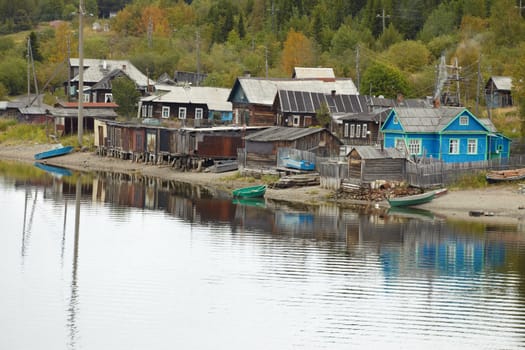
223 166
496 176
250 192
54 170
416 199
298 164
441 191
59 150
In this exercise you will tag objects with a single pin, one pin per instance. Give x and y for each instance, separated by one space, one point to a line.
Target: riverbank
496 203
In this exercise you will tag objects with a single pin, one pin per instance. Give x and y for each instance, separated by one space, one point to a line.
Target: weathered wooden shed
369 163
261 148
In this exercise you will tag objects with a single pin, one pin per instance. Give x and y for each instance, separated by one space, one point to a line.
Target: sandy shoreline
505 204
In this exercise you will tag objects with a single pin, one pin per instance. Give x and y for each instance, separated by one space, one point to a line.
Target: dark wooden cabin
369 163
261 148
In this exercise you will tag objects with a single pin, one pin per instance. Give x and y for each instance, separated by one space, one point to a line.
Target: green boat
408 201
250 192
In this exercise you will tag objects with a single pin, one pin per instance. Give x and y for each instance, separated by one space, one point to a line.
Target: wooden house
498 92
98 74
261 148
186 106
370 163
450 134
65 115
253 98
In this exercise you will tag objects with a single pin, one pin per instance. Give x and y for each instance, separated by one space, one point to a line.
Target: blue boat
55 152
298 164
55 170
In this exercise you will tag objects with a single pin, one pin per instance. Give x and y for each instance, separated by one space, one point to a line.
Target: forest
388 47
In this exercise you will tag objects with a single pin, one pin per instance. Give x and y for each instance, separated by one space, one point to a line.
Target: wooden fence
439 173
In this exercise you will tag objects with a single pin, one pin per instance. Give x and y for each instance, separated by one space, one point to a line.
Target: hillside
386 48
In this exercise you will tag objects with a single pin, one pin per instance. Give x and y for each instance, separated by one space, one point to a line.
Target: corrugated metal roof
426 119
373 152
215 98
488 124
263 91
502 83
88 112
312 73
282 133
97 69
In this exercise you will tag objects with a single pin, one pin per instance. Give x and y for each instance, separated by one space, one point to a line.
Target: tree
323 116
380 79
125 94
409 56
297 51
240 27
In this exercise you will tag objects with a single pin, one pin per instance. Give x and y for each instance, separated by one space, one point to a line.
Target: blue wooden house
450 134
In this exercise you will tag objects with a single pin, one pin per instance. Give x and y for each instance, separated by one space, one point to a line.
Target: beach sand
496 203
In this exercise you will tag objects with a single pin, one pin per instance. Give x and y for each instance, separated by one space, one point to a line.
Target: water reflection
303 276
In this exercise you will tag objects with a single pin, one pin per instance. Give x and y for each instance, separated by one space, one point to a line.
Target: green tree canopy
380 79
125 94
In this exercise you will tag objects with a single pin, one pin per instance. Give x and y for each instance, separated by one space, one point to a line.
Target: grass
14 133
473 181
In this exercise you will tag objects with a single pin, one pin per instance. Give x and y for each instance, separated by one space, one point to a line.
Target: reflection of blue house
450 134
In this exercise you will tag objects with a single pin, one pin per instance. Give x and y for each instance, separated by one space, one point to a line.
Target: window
358 130
463 120
296 120
352 131
472 146
144 111
108 98
198 113
182 112
150 111
396 121
165 112
364 130
86 97
453 146
346 130
414 146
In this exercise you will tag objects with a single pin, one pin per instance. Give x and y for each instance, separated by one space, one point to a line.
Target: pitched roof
96 69
282 133
372 152
310 102
262 91
426 119
215 98
313 73
502 83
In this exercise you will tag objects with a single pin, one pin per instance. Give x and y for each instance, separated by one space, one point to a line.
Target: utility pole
383 17
357 65
478 85
198 58
80 72
150 31
266 60
520 8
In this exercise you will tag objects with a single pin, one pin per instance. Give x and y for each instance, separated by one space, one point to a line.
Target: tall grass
13 133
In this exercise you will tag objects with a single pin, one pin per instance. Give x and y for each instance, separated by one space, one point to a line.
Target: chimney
400 99
333 93
124 67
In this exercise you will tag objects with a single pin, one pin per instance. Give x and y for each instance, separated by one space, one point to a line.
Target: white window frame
463 120
86 97
198 113
453 146
414 146
165 112
395 121
472 146
106 95
364 130
296 120
144 111
150 111
352 131
346 130
182 112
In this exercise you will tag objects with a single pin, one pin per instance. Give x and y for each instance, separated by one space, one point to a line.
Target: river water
104 261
